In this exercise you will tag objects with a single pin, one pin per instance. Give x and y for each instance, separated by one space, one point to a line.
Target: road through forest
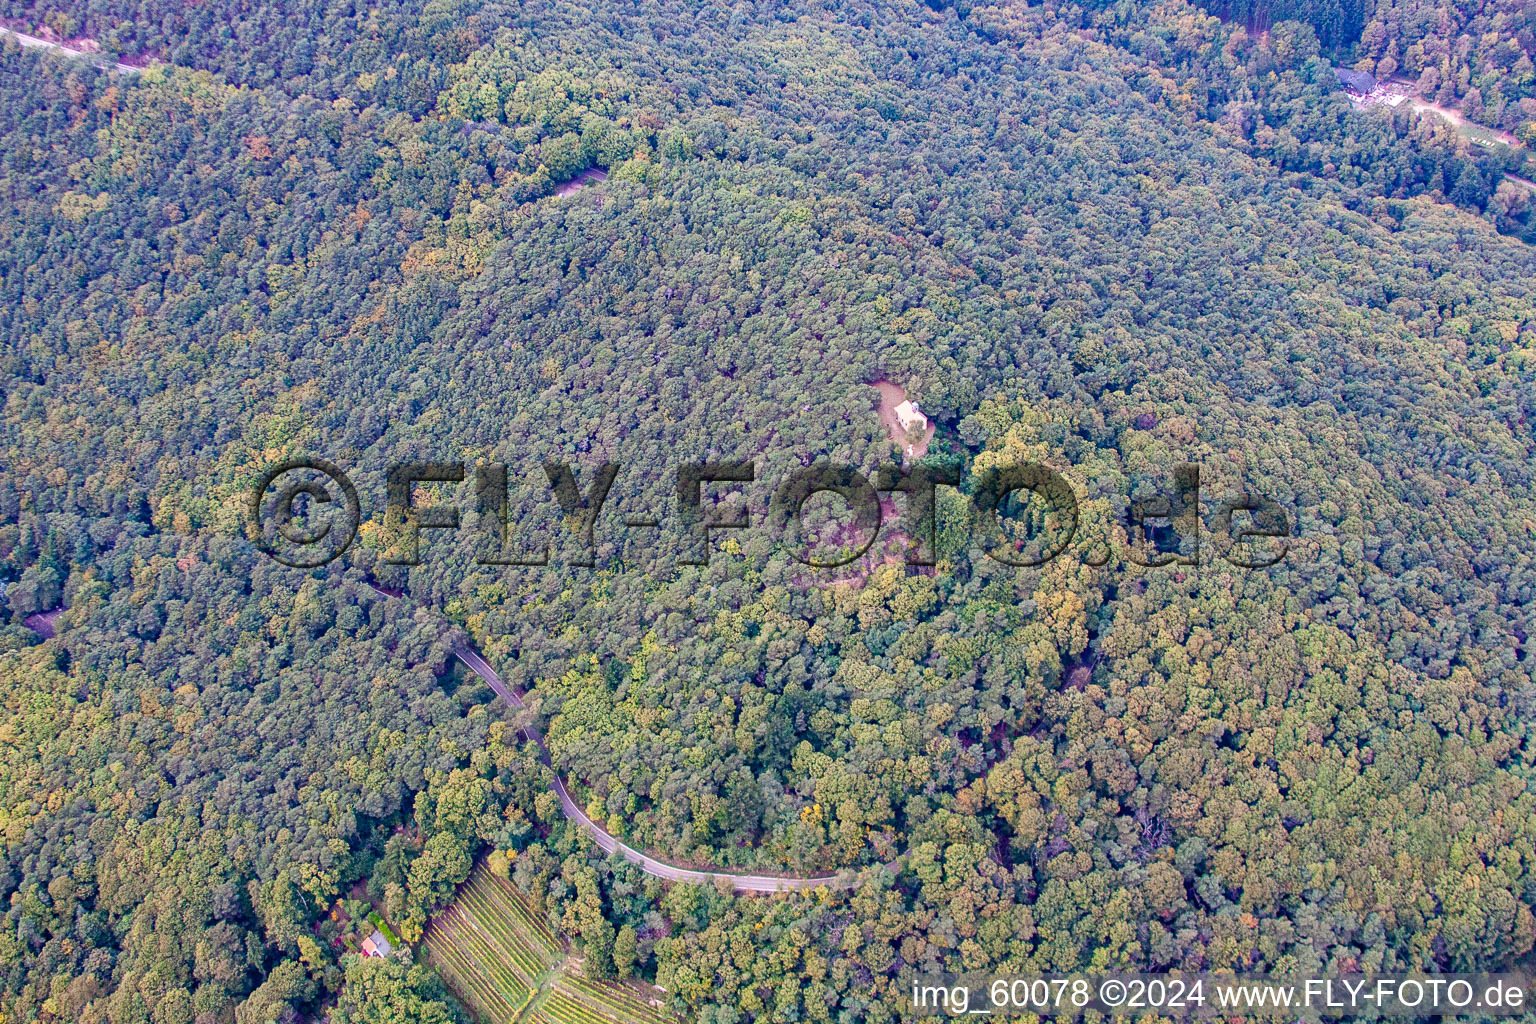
650 865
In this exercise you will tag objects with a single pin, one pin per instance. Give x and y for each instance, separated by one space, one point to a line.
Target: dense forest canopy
1108 240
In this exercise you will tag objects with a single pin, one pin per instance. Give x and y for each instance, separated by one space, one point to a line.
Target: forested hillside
1112 241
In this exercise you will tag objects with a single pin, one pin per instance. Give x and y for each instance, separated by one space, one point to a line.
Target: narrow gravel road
650 865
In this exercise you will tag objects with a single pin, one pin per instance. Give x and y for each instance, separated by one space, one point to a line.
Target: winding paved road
650 865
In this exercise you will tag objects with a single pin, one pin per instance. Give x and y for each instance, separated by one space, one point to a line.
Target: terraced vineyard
490 948
505 965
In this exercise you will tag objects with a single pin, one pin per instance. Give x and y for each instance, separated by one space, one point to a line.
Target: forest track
650 865
34 41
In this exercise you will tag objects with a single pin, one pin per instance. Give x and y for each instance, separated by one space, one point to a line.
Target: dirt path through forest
1455 117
